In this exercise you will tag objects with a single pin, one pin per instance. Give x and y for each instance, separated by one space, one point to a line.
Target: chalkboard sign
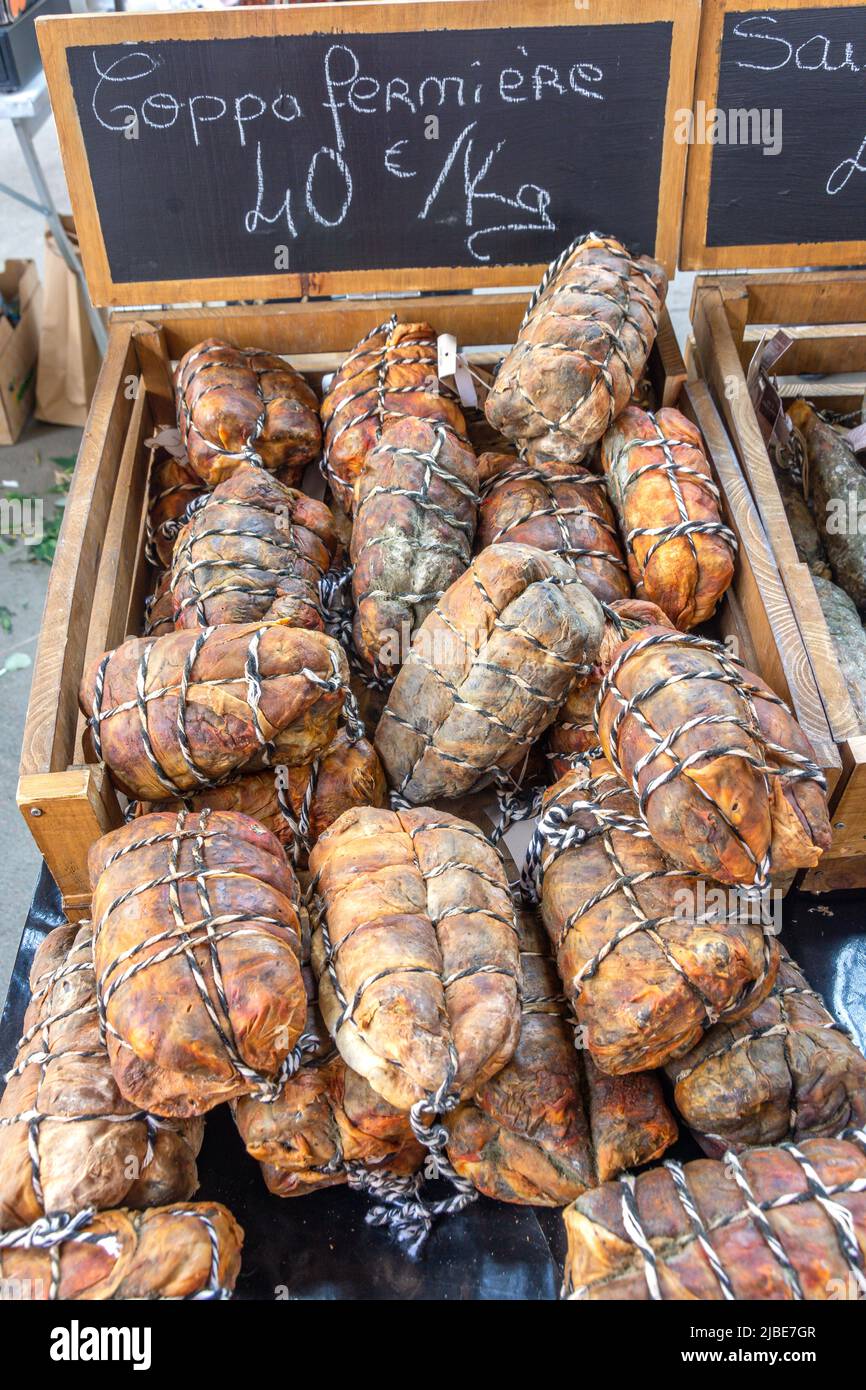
224 154
777 157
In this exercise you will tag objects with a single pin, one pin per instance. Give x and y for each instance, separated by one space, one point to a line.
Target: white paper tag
169 439
446 353
857 438
464 383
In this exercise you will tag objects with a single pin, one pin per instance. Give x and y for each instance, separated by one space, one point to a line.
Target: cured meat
573 731
415 947
725 779
580 351
174 714
297 803
849 641
188 1251
649 959
488 670
159 608
391 373
68 1139
786 1071
326 1124
837 488
173 486
680 552
237 405
773 1224
196 948
416 504
255 550
810 548
549 1124
562 508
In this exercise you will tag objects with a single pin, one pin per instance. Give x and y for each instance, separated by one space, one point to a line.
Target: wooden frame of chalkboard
777 77
152 216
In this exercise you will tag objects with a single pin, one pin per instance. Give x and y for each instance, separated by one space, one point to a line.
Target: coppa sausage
580 351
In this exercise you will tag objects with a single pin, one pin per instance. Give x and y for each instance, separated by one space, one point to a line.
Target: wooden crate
100 575
824 311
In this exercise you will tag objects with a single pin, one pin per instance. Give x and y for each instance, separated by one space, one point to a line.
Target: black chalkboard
804 73
314 153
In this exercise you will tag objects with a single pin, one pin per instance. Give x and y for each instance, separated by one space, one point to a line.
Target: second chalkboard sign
240 156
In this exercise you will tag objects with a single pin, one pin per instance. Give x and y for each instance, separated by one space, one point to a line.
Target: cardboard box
18 348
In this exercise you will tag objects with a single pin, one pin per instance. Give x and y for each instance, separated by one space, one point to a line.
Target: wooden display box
825 313
511 189
100 575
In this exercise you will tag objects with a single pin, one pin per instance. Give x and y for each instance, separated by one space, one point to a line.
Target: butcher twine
783 1029
523 472
51 1233
374 405
545 702
727 670
181 939
420 498
629 279
44 1053
403 1208
557 832
253 680
754 1211
248 452
284 546
676 472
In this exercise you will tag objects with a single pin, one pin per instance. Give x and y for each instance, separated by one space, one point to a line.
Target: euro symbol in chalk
394 168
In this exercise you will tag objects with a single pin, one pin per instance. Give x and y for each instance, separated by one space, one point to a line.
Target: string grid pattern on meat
45 1052
291 561
726 670
544 701
627 276
252 681
520 472
248 451
676 471
403 1208
185 938
755 1211
51 1233
559 831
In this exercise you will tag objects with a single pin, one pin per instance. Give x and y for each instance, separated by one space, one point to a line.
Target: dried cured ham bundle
680 552
725 779
648 955
327 1125
560 507
785 1071
416 952
573 731
416 506
391 373
549 1125
785 1223
68 1139
415 946
297 803
488 670
187 1251
196 948
237 405
177 713
580 351
173 485
254 551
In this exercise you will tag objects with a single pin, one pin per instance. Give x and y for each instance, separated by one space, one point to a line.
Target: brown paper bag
69 359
